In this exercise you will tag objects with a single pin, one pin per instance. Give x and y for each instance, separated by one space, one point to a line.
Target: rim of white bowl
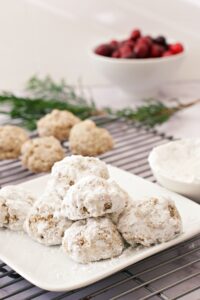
138 60
187 183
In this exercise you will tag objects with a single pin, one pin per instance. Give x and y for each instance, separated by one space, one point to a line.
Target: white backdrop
53 36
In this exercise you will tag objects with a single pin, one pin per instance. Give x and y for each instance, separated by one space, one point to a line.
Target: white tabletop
53 37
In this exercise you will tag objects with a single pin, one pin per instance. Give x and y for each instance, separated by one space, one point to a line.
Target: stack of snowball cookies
88 213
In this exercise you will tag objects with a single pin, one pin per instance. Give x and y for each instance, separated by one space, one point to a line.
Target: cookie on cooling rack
58 123
88 139
11 140
150 221
39 154
92 240
15 203
93 196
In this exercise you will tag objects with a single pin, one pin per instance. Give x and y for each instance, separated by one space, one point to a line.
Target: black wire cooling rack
169 275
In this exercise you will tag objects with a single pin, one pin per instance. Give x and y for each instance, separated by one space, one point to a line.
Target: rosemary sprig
43 95
29 110
153 112
48 89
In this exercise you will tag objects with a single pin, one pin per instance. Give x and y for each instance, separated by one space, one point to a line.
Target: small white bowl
138 77
176 166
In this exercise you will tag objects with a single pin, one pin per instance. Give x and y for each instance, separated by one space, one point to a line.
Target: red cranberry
114 44
149 40
141 50
146 40
135 34
129 43
116 54
156 50
176 48
138 46
121 43
160 40
104 50
126 51
167 53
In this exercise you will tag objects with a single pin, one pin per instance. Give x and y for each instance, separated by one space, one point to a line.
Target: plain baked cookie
58 123
44 222
88 139
151 221
71 169
11 140
92 240
39 154
93 196
15 203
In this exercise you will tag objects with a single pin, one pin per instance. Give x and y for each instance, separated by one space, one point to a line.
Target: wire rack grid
169 275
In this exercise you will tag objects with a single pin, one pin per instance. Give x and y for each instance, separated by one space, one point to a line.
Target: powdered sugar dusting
150 221
15 203
183 157
93 196
92 239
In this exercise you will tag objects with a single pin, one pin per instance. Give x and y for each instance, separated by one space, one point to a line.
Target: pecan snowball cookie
39 154
116 215
11 140
44 222
151 221
71 169
88 139
92 240
93 197
15 203
58 123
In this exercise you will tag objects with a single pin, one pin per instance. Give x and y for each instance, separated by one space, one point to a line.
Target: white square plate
50 269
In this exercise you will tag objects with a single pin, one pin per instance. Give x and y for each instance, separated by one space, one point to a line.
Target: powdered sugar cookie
93 196
15 203
71 169
116 215
92 240
151 221
44 222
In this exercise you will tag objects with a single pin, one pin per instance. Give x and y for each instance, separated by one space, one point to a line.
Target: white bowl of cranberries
140 64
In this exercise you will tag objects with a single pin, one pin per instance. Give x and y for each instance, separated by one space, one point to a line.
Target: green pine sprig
44 95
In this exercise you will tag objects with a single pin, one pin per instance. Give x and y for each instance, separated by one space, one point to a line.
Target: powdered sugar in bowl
176 166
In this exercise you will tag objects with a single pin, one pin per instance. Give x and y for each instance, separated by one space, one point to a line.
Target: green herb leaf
44 95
